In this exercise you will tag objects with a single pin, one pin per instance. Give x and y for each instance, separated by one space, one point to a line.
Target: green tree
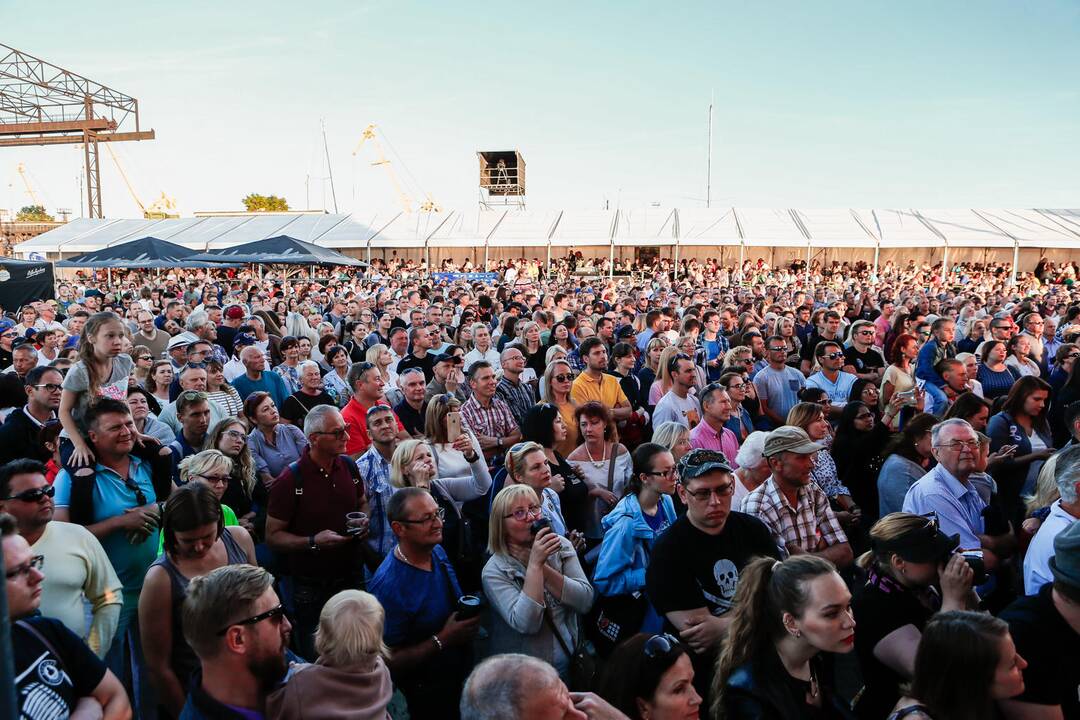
33 213
265 203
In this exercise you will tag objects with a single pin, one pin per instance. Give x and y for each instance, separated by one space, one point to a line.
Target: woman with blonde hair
350 679
379 355
675 437
535 583
558 379
531 347
414 465
912 574
663 382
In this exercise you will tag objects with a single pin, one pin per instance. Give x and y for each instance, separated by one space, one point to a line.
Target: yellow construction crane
406 202
29 188
161 209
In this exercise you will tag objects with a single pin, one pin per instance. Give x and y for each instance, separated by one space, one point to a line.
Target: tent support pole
487 266
549 258
877 256
675 275
611 260
742 253
945 264
1016 260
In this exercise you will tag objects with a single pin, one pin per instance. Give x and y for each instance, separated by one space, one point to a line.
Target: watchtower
502 179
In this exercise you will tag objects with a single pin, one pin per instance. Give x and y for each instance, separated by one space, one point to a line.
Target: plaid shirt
576 363
812 525
376 473
518 397
496 420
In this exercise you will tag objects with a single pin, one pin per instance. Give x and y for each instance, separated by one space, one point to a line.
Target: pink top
703 436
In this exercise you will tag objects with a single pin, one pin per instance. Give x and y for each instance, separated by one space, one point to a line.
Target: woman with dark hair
996 377
221 391
604 463
142 404
650 677
245 494
899 376
336 379
196 542
770 666
907 458
1062 364
273 444
857 450
288 369
159 379
544 425
969 406
913 572
1019 348
560 335
630 531
1068 393
1021 422
972 651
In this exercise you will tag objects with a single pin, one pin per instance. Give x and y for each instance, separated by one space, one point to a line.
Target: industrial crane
21 169
162 208
406 202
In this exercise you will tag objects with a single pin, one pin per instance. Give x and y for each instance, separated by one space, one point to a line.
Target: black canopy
23 281
147 252
280 250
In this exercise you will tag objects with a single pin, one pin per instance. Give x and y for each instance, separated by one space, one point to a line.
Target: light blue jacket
620 568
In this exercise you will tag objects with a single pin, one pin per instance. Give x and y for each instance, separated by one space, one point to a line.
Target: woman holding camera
534 582
913 574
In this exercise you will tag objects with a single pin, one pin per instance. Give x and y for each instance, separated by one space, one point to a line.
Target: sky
815 104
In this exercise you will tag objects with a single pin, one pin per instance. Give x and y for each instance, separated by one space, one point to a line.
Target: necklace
813 683
401 556
596 463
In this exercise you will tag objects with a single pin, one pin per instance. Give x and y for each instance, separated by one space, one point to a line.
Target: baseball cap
447 357
1065 565
922 545
243 339
700 462
789 438
625 331
234 312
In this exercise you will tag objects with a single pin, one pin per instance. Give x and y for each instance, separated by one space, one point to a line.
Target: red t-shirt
355 414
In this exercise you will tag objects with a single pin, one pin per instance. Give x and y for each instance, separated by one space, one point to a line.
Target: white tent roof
693 227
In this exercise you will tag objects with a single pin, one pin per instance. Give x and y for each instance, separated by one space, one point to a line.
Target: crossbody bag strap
551 625
43 640
611 469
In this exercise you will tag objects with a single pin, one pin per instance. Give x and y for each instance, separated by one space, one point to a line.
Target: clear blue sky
817 104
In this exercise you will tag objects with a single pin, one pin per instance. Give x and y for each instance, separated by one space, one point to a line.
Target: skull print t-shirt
690 569
49 681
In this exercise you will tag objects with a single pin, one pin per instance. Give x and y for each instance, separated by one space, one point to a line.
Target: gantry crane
406 202
157 210
21 169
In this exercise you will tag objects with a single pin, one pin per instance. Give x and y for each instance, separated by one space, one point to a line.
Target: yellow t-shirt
606 391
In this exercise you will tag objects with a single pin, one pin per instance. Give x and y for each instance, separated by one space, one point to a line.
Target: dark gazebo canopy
280 250
144 253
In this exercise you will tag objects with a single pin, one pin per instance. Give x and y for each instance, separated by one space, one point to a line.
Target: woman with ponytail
786 613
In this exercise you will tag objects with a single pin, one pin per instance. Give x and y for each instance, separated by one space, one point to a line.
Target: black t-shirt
689 569
48 686
863 361
574 499
807 352
426 363
880 608
299 404
1051 648
413 420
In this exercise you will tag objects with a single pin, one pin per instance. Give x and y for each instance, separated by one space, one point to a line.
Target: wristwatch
311 543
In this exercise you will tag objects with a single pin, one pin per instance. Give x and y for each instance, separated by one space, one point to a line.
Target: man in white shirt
830 378
1063 513
678 404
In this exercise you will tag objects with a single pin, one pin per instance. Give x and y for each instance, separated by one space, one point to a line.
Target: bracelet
438 642
475 457
311 542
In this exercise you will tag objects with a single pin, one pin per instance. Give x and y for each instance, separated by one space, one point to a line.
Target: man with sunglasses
862 358
777 384
19 433
56 674
830 378
236 625
80 573
430 647
694 568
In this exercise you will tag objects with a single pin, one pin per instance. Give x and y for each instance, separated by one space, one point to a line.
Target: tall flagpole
708 163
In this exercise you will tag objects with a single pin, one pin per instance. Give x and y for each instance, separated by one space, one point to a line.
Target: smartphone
453 426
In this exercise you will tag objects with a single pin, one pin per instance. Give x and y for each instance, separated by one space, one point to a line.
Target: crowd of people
695 491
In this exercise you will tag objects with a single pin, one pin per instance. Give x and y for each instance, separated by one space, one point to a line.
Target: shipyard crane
162 208
21 169
371 134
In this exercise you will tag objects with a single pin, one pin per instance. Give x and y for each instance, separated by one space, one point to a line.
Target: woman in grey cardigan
535 584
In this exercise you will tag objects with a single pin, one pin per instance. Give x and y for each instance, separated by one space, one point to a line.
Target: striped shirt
495 420
375 470
811 525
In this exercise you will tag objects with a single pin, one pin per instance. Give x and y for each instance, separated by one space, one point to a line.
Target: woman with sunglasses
144 361
558 379
913 573
534 582
545 426
245 493
630 531
785 615
288 368
196 541
650 677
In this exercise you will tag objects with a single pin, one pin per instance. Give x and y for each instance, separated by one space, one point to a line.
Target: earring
797 634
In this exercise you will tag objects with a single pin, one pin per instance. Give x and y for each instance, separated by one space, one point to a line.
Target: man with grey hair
24 358
306 520
236 625
948 492
526 688
1063 513
200 325
311 393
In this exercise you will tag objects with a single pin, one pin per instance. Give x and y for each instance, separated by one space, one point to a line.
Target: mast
708 162
329 167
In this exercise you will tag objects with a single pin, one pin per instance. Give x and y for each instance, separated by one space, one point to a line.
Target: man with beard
236 625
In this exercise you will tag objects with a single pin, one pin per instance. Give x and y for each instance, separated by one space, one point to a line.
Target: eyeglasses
670 472
235 435
960 445
565 377
274 612
439 515
747 361
660 646
35 563
51 387
338 433
523 514
215 479
865 332
706 494
34 494
834 355
778 349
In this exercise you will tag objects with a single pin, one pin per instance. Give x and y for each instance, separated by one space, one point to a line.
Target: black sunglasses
34 494
660 646
673 363
274 612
